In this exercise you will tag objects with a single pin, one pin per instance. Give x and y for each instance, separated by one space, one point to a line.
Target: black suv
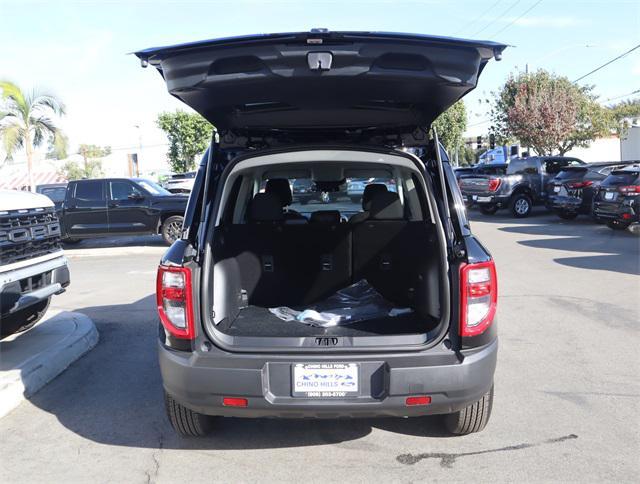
617 201
266 310
571 191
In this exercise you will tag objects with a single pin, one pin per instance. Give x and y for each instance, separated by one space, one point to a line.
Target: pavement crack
447 459
155 455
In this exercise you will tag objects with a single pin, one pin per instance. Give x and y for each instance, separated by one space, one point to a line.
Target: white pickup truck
32 264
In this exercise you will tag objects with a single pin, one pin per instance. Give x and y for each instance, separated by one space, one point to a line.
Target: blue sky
78 50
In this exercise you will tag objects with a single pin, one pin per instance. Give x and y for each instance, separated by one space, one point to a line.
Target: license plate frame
326 380
609 196
483 199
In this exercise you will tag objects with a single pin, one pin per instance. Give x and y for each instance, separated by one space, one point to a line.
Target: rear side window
90 191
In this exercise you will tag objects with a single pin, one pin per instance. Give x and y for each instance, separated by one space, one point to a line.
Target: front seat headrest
280 188
386 206
325 217
371 191
265 207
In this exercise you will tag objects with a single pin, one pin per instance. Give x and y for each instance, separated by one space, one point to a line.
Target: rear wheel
617 225
23 320
567 215
171 229
185 421
471 419
521 205
489 209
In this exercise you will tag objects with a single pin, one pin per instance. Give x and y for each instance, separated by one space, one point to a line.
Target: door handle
113 205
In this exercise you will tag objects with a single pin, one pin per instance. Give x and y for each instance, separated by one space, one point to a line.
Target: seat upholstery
325 217
265 208
370 191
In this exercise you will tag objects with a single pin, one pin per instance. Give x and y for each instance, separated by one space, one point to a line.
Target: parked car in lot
571 191
180 182
231 341
120 206
33 267
523 186
356 186
55 191
617 201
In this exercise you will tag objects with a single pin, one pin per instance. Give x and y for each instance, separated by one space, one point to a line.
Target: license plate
609 195
325 380
484 199
556 189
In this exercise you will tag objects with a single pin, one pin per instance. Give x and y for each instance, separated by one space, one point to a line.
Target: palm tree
26 122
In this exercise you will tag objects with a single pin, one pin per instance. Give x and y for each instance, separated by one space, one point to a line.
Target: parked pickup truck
32 264
120 206
523 185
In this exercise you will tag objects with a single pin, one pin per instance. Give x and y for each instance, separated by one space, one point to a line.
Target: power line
496 19
476 19
607 63
637 91
516 19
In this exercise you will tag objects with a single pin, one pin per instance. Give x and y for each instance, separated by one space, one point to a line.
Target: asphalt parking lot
567 388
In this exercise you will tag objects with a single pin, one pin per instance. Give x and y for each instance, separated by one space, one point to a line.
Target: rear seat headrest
325 217
386 206
371 191
281 189
265 207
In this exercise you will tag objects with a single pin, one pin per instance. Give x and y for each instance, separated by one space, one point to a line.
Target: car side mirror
136 196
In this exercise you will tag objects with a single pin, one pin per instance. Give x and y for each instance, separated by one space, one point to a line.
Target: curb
57 341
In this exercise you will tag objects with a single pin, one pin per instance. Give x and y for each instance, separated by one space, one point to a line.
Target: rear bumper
621 212
567 204
200 382
29 285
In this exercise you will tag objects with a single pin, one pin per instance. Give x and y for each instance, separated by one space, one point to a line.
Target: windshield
153 188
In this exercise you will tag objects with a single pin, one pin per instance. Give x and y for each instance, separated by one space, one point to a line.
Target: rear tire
23 320
616 225
489 209
471 419
521 205
186 422
171 229
567 215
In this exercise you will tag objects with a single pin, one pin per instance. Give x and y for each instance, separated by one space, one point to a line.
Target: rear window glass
56 194
491 170
622 178
571 173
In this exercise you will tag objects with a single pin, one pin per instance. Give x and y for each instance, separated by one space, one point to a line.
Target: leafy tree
26 122
548 113
623 112
73 171
450 126
57 148
189 134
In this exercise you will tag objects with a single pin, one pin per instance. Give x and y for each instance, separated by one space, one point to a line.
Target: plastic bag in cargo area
357 302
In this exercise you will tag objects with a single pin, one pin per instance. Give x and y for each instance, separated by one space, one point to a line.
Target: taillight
173 296
629 189
494 184
478 297
583 184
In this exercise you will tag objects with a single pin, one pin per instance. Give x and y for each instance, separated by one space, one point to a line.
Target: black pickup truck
120 206
523 185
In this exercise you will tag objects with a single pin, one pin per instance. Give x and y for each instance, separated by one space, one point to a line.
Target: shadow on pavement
113 395
611 250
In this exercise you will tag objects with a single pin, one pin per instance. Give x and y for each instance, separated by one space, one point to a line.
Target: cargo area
371 228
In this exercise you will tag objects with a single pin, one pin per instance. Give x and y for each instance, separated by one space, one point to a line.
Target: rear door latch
319 61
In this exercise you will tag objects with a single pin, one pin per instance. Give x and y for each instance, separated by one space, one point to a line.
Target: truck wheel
521 205
616 225
185 421
567 215
24 319
71 241
471 419
171 229
488 209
